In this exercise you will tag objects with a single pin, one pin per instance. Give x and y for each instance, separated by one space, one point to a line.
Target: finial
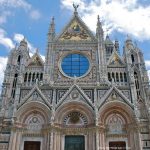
37 50
53 19
24 39
16 46
75 7
98 18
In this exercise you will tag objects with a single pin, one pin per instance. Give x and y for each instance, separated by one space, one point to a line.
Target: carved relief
101 93
60 94
48 94
75 32
90 94
24 93
34 122
115 124
75 119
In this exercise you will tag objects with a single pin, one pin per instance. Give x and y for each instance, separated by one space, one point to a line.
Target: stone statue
75 7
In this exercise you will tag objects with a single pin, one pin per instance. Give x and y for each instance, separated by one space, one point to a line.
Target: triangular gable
115 60
75 93
76 30
35 60
35 95
114 94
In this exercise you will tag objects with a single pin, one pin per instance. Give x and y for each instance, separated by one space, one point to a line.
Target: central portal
74 143
32 145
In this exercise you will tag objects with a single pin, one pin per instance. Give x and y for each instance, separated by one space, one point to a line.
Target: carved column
97 140
18 141
102 139
51 140
13 138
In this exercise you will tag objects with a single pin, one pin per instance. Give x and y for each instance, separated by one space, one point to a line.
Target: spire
129 43
108 41
52 25
37 50
75 8
23 42
117 46
128 39
51 33
99 30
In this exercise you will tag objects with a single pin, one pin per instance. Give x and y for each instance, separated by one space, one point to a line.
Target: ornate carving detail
74 95
48 94
24 93
60 94
127 94
75 118
35 95
90 94
101 93
115 124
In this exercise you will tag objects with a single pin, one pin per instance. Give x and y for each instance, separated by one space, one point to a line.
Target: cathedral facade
84 96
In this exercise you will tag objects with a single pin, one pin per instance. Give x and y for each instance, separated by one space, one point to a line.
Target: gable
35 95
115 60
35 61
75 94
76 30
114 94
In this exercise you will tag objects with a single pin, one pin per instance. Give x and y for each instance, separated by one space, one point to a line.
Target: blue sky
31 18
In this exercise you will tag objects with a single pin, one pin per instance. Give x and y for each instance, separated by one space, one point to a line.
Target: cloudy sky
31 18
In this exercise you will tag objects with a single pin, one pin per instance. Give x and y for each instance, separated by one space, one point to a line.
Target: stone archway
76 121
31 119
118 120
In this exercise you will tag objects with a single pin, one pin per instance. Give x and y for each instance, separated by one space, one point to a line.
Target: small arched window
113 76
117 77
121 77
19 60
132 58
137 85
29 78
41 76
14 85
33 77
37 76
25 77
125 77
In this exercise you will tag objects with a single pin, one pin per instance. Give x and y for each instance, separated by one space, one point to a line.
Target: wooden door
32 145
117 145
74 143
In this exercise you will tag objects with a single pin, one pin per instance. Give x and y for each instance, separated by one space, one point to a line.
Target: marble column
102 140
51 140
12 145
19 138
97 140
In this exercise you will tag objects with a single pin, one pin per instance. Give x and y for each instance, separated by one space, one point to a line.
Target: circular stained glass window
75 65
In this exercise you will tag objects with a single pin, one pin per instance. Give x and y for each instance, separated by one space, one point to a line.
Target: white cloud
19 37
35 15
126 16
8 7
5 41
14 4
147 63
3 62
3 16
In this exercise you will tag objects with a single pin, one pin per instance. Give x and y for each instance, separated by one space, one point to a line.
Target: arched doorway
75 120
119 124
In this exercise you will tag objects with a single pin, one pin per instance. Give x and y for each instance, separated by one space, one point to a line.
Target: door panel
74 143
117 145
32 145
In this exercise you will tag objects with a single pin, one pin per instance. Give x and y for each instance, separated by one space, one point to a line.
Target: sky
31 19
